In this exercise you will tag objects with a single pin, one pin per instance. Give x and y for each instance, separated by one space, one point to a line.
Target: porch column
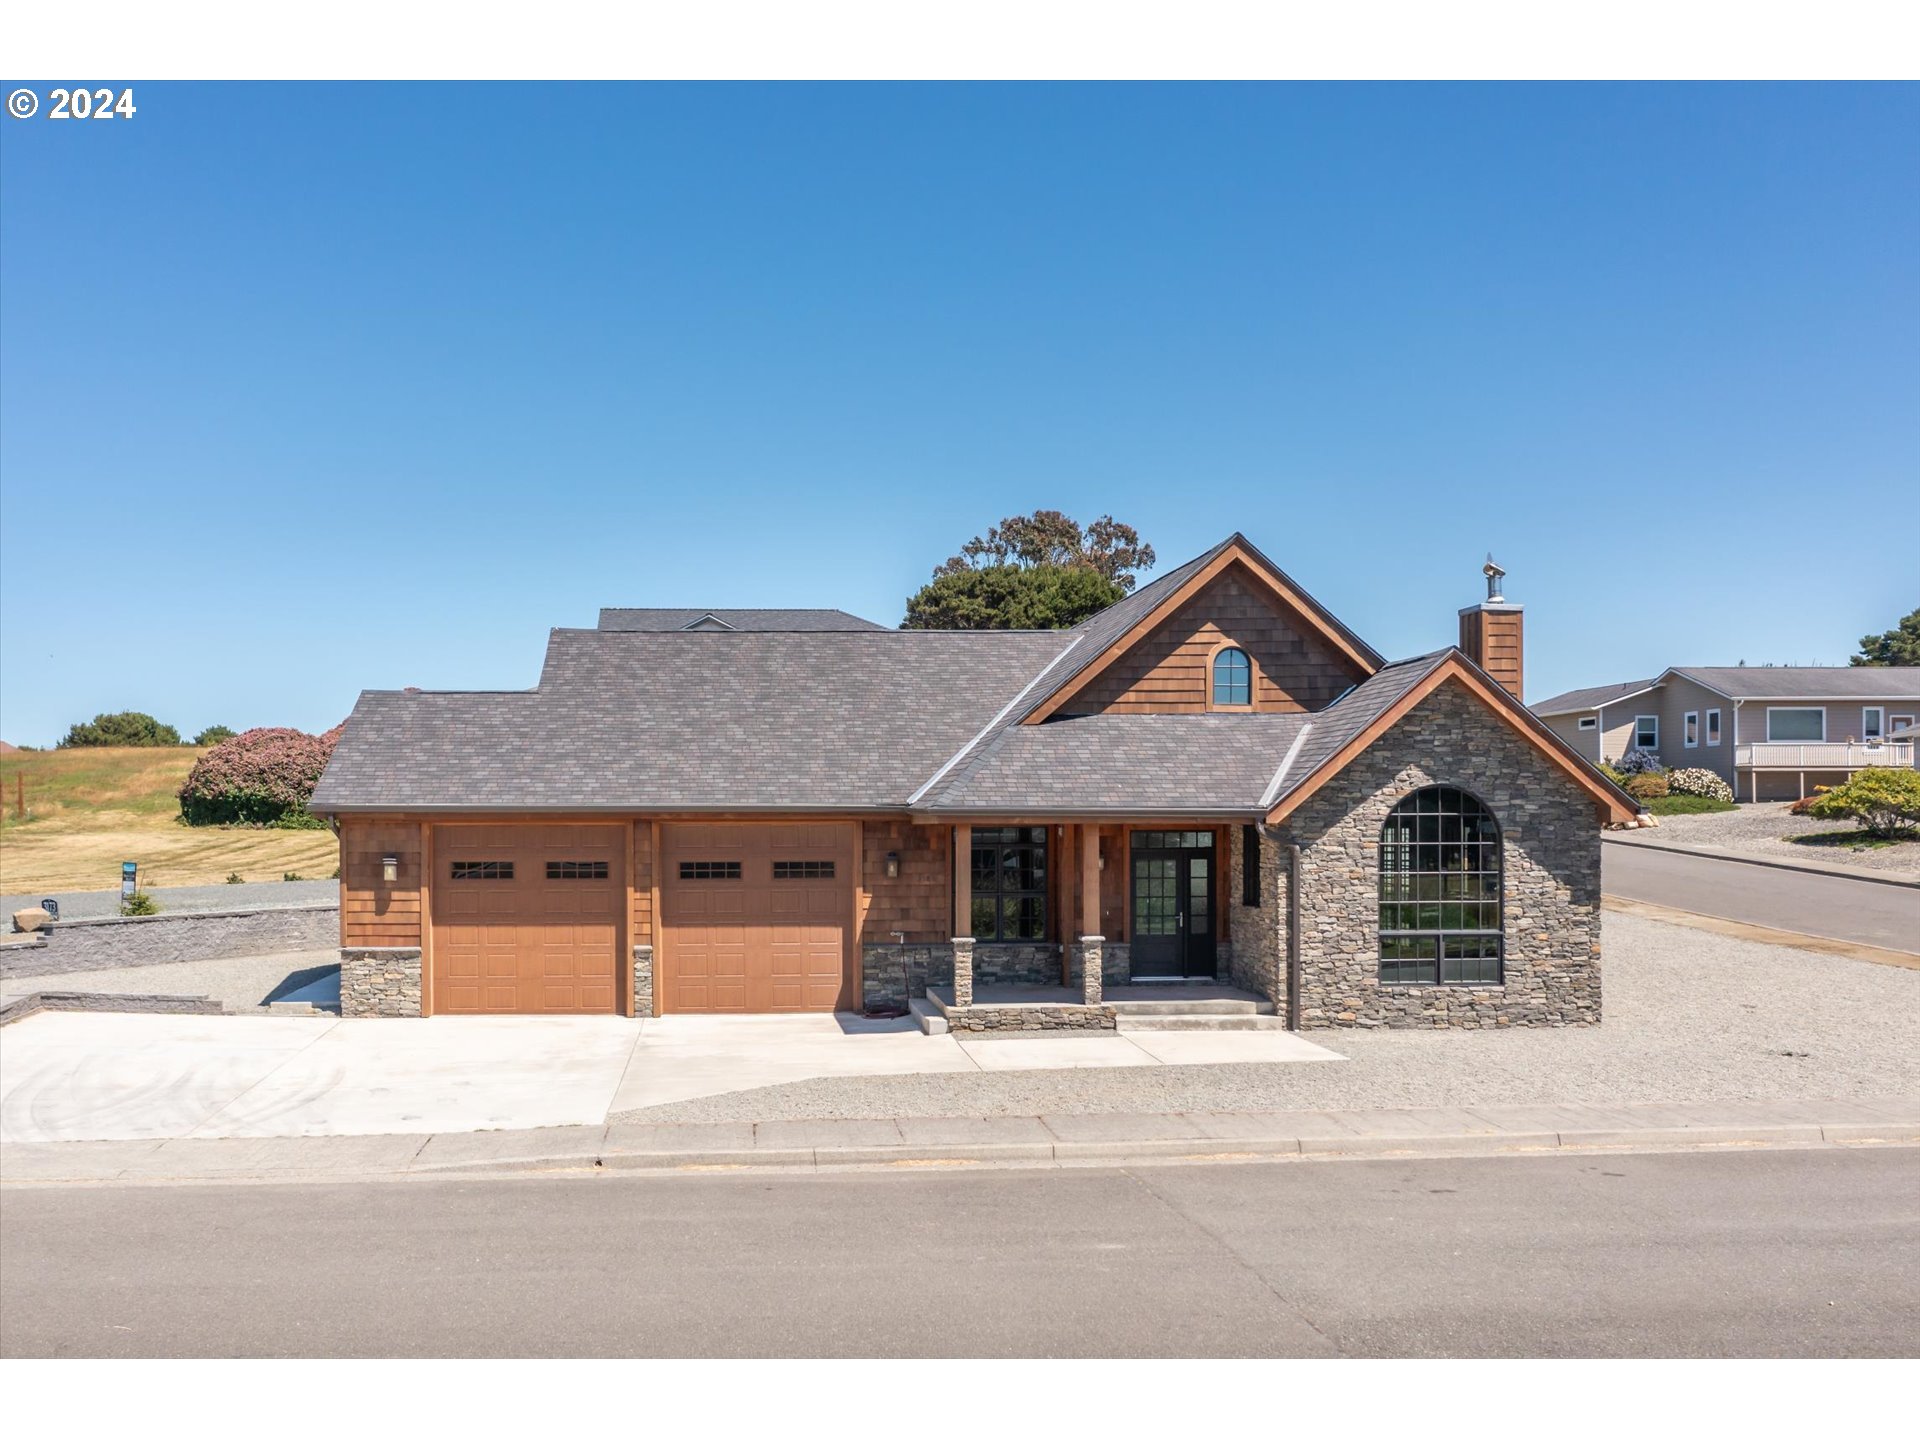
963 914
1092 942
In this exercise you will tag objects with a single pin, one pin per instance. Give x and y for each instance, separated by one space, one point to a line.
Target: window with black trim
709 869
482 870
803 869
576 869
1250 865
1010 883
1232 677
1440 869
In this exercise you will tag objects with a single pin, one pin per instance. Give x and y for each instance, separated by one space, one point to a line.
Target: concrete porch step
1190 1006
1246 1020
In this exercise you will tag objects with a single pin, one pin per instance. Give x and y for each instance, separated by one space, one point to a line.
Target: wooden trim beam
1089 879
963 880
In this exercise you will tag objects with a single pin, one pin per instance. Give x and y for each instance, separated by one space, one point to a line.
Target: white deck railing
1780 755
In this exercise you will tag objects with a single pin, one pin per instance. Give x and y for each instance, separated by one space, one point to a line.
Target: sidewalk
1026 1141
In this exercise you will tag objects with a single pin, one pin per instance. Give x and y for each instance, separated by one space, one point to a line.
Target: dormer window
1232 677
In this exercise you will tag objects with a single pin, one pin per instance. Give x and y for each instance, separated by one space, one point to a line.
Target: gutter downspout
1293 937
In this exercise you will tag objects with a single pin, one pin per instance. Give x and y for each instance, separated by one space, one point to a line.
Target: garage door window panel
482 870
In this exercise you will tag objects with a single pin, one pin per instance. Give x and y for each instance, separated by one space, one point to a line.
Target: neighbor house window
1873 724
1232 678
1440 891
709 869
1713 727
576 869
1903 722
482 870
1691 725
1589 722
1796 724
1646 732
1010 883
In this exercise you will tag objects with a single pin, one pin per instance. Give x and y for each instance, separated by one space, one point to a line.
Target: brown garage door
526 919
755 918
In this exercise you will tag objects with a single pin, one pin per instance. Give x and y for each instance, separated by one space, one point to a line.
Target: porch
1055 1009
1756 763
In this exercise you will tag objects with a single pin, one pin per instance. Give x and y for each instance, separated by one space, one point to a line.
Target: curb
1075 1154
1739 857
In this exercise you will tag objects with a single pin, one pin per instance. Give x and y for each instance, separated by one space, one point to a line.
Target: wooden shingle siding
1167 670
1493 640
372 912
920 901
640 896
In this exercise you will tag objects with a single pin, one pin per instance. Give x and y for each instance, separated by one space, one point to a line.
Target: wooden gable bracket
1261 570
1613 803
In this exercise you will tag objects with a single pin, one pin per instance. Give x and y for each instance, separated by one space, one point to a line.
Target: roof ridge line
1272 792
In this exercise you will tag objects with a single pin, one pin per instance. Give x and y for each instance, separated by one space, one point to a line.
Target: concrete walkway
1039 1140
66 1077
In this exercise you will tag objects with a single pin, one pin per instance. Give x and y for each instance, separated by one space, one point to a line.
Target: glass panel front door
1173 917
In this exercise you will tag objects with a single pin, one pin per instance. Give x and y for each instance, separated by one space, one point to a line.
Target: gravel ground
1689 1016
1767 829
241 982
86 904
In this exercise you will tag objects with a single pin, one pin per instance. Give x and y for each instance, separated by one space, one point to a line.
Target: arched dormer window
1440 868
1232 677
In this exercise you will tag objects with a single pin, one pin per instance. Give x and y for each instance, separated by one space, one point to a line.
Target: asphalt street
1766 1253
1834 906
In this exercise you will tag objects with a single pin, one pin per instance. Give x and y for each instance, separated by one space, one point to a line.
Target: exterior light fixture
893 864
389 868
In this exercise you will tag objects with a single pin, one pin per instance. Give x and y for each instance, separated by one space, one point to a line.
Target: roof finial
1493 573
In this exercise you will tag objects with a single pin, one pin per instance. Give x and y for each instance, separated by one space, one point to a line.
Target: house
1214 780
1769 731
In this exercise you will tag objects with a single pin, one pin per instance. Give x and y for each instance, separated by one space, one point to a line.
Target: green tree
1898 646
1050 537
128 727
1011 597
214 734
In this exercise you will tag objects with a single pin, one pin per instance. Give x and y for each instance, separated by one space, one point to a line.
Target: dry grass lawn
88 810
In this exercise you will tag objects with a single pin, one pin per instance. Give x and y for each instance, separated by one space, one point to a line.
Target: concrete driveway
131 1077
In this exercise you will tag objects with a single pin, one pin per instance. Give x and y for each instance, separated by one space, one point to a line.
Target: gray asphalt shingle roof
1808 682
617 618
630 721
1590 698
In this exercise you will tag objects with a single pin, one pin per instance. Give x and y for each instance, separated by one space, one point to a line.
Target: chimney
1490 633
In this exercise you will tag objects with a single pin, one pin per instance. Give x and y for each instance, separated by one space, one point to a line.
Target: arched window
1440 891
1232 677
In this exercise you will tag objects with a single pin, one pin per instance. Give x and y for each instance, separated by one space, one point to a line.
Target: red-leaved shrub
260 777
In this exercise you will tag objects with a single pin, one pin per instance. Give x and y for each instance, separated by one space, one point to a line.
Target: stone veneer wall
1019 1019
379 981
643 980
1551 877
880 982
1116 964
1257 958
112 942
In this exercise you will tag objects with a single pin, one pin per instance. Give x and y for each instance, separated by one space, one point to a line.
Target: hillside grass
86 810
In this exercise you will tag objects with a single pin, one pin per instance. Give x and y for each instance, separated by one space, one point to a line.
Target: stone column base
963 970
1092 963
643 981
379 980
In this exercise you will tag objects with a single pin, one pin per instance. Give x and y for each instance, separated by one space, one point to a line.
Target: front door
1172 936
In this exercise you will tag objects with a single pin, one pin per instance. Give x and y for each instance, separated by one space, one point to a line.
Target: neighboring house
1770 731
739 812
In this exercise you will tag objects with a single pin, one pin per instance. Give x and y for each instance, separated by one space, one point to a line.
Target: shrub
1689 805
1616 776
139 903
1640 762
1647 786
214 734
261 777
128 727
1885 801
291 875
233 878
1703 783
1804 805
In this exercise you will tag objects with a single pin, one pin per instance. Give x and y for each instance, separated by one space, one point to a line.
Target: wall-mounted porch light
893 864
389 868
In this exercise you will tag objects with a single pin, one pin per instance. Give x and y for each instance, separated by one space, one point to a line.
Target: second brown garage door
526 919
755 918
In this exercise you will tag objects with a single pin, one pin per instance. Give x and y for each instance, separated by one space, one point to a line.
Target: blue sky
306 389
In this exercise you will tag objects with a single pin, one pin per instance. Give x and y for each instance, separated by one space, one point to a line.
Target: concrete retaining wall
108 944
23 1006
